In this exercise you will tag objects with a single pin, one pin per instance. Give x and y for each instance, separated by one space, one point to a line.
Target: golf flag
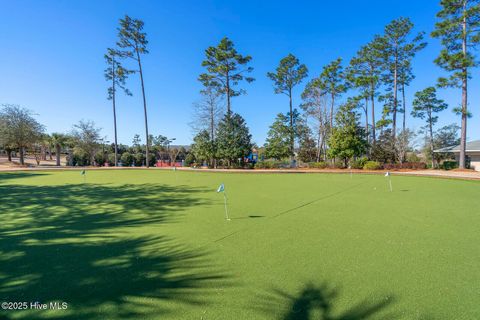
82 172
221 188
389 181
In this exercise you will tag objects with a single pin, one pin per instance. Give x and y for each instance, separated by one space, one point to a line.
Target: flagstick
390 182
226 210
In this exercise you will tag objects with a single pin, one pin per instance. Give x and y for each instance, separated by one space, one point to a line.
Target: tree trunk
332 105
366 118
372 98
57 153
114 112
22 156
292 137
227 89
395 99
404 108
431 141
319 144
144 110
463 137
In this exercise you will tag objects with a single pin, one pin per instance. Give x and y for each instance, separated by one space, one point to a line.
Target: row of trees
84 145
380 72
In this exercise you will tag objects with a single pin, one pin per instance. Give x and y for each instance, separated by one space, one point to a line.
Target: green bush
449 165
372 165
100 158
189 159
127 159
139 159
318 165
272 164
358 163
111 159
338 165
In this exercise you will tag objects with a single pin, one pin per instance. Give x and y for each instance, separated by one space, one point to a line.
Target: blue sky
52 56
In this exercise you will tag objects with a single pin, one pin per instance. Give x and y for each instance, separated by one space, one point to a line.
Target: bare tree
403 143
316 106
207 114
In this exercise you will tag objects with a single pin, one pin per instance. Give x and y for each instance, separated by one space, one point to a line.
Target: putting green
153 244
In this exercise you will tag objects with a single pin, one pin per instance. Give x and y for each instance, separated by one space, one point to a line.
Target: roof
472 146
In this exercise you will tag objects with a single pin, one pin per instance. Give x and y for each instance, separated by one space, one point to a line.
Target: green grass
154 245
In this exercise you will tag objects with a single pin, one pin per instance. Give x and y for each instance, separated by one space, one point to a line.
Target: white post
226 210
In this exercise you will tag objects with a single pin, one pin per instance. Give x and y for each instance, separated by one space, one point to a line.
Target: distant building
472 153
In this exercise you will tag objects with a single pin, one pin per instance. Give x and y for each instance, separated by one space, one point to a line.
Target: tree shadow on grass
6 176
318 303
85 245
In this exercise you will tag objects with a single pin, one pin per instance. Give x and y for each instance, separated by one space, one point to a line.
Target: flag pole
226 210
221 188
389 180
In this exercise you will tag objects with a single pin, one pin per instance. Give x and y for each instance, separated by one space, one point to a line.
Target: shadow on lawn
81 244
317 303
5 176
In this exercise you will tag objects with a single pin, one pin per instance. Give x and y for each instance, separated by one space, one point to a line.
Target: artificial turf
152 244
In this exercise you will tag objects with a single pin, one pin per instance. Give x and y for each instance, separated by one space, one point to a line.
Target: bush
272 164
337 165
318 165
139 159
358 163
127 159
111 159
405 165
372 165
449 165
189 159
100 158
79 159
412 157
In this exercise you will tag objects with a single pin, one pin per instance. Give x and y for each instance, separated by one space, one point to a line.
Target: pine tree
233 138
459 32
288 74
226 68
132 42
425 106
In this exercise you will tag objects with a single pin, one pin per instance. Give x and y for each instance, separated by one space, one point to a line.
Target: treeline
22 134
373 85
349 110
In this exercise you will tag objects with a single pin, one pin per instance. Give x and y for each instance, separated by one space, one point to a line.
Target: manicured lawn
154 245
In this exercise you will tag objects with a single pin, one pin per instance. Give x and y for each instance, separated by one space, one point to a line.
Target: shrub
189 159
272 164
139 159
405 165
372 165
127 159
111 159
100 158
318 165
337 165
358 163
449 165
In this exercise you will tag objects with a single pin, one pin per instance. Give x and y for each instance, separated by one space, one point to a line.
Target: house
472 153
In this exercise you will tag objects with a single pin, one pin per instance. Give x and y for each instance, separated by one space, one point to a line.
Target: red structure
167 163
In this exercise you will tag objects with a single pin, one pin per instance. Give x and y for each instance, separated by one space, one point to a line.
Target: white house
472 153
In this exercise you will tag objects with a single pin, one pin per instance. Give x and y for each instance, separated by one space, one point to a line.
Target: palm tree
58 140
